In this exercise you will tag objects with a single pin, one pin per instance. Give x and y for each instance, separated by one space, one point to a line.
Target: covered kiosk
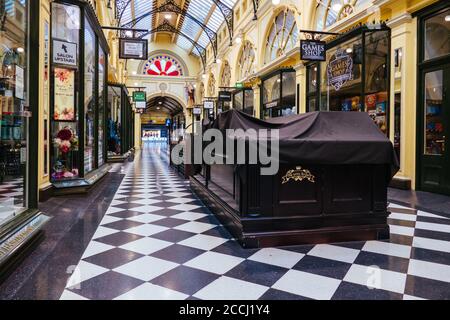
334 170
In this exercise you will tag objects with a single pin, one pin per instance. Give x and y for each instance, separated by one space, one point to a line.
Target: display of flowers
66 140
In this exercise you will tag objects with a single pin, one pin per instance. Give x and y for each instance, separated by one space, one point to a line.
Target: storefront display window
77 85
114 120
354 77
101 106
89 98
434 113
243 101
278 95
13 98
65 130
437 34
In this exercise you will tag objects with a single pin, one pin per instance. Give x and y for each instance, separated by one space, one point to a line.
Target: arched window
328 12
282 36
225 78
246 62
163 65
211 85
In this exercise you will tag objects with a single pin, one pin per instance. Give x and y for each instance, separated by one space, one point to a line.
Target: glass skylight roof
205 11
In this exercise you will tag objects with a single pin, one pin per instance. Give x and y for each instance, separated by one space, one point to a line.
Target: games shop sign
312 50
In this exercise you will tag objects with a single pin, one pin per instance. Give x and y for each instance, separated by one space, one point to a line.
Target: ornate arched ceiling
199 20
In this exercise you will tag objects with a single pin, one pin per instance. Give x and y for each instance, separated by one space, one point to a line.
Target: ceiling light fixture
447 18
129 33
275 2
219 61
167 16
136 84
349 50
238 40
134 73
20 50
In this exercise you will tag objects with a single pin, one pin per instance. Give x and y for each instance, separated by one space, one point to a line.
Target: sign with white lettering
340 69
312 50
208 104
141 104
224 96
197 111
65 53
133 49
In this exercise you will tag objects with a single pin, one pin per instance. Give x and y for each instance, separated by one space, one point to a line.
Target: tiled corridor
157 241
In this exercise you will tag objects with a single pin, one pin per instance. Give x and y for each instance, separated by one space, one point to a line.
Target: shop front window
434 113
437 36
101 105
114 120
279 93
354 78
238 102
89 98
248 102
13 97
65 130
246 61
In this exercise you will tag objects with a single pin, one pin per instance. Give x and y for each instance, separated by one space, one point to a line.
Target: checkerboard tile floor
157 241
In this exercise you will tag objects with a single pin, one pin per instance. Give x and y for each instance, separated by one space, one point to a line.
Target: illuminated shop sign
340 69
312 50
208 105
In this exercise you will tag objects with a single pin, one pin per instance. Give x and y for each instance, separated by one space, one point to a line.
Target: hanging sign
64 94
312 50
141 104
139 96
340 69
20 82
224 96
197 111
239 85
65 53
208 104
133 48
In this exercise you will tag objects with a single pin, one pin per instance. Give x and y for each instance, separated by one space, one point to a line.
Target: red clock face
163 66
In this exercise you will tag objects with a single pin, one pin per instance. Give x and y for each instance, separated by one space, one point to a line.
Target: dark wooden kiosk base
305 202
271 213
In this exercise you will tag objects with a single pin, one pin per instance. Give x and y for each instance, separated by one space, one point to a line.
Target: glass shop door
435 121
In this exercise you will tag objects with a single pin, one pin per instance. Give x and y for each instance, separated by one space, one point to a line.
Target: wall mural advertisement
64 94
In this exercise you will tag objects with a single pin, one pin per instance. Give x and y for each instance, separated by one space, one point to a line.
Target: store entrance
434 116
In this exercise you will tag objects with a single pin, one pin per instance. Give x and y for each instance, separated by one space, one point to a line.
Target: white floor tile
95 247
145 201
146 229
376 278
185 207
214 262
334 253
103 232
403 216
190 216
181 200
195 227
433 226
277 257
408 297
84 271
146 218
307 285
226 288
430 215
204 242
390 249
147 209
146 245
429 270
146 268
109 219
401 230
113 210
148 291
431 244
69 295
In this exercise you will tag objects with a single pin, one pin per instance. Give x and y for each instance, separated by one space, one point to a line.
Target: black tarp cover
320 137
